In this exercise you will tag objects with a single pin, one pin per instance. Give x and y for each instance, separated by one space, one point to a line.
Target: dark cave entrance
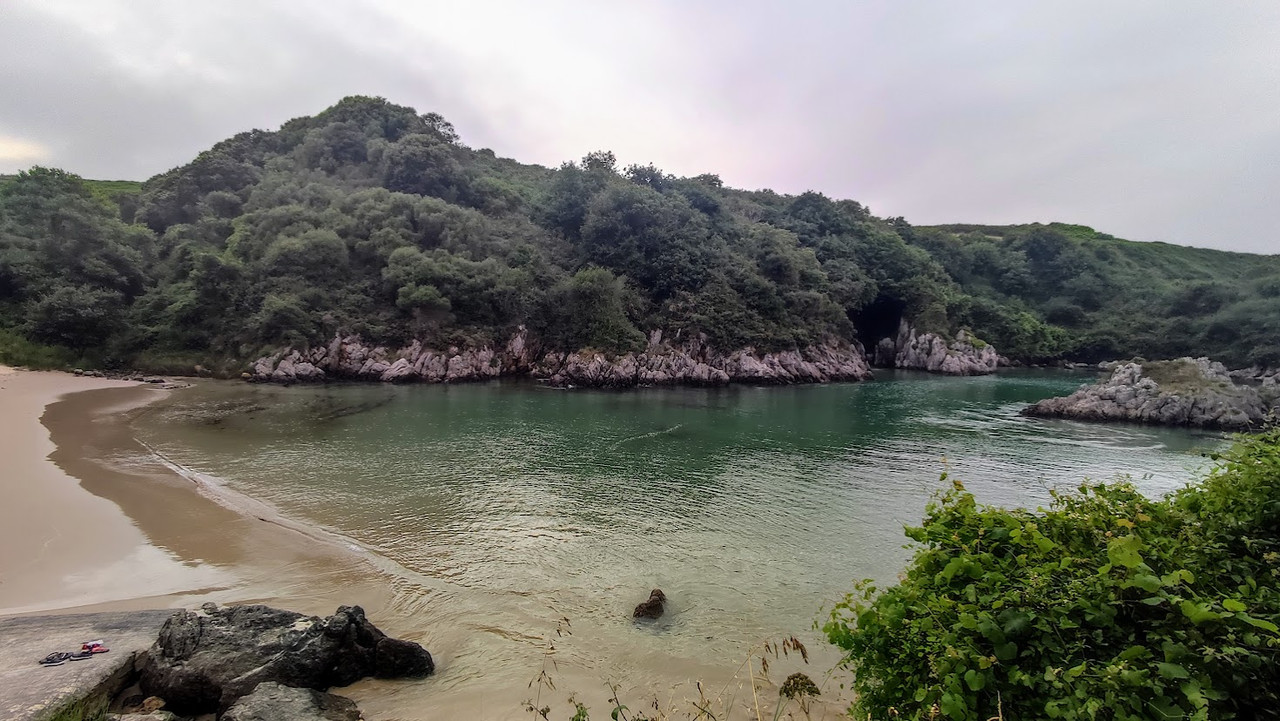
878 319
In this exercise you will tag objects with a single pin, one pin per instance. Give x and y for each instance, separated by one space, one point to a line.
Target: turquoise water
750 507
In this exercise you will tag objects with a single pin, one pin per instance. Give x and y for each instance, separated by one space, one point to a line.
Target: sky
1148 120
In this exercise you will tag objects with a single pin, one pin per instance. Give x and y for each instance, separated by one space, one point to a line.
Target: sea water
506 508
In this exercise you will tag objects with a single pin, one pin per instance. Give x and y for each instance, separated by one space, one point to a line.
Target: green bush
1107 605
17 350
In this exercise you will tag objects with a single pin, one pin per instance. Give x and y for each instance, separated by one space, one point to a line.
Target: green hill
371 218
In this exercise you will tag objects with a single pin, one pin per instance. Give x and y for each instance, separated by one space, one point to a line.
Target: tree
76 316
424 165
592 312
603 161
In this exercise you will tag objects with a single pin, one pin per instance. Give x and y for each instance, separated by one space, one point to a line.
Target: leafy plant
1107 605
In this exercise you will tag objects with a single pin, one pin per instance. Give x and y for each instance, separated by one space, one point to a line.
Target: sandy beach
59 546
93 519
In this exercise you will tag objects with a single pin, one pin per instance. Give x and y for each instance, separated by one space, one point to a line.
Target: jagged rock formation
692 362
963 356
204 661
1193 392
696 363
1263 376
349 358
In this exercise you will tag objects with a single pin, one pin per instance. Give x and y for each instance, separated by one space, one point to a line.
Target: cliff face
962 356
692 362
1185 392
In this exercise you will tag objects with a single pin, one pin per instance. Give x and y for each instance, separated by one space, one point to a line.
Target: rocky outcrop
206 660
271 702
691 362
1262 376
653 607
351 359
1194 392
696 363
964 355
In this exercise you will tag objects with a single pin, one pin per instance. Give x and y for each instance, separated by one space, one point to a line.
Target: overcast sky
1147 120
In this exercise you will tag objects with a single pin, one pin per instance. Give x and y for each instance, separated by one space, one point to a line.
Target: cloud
16 152
1149 121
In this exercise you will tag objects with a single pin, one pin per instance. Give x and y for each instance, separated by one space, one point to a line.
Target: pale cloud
1144 119
17 153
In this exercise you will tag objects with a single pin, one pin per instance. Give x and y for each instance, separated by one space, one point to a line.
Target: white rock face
1198 392
692 362
962 356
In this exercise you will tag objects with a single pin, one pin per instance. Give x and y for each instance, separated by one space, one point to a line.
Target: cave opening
878 319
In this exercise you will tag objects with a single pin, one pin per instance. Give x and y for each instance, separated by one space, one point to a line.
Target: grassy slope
1176 262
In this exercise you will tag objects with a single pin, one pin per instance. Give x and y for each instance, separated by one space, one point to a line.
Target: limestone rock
962 356
1194 392
691 362
271 702
203 661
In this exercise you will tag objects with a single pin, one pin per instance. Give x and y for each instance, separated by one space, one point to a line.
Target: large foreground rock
272 702
963 355
204 661
1194 392
682 361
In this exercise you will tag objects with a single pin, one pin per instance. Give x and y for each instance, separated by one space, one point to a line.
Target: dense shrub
1107 605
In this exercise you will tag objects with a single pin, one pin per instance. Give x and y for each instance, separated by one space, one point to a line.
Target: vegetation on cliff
1107 605
370 218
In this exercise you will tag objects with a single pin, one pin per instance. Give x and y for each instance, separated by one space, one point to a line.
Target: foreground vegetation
1108 605
370 218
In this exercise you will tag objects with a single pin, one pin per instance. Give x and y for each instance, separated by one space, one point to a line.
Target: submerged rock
204 661
271 701
1194 392
653 607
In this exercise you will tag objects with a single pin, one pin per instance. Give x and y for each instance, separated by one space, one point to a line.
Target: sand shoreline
95 521
54 537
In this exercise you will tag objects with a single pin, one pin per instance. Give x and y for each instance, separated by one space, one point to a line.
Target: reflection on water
750 507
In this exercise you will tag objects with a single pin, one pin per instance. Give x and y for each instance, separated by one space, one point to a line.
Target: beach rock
160 715
203 661
964 355
138 707
401 370
653 607
271 702
1194 392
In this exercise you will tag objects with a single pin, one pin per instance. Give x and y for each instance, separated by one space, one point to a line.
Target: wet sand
96 521
60 546
143 535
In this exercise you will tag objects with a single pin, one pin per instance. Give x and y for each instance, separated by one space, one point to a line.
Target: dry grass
1181 375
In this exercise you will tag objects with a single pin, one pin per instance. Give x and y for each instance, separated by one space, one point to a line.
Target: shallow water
496 509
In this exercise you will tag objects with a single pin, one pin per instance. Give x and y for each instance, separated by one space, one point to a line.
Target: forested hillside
370 218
